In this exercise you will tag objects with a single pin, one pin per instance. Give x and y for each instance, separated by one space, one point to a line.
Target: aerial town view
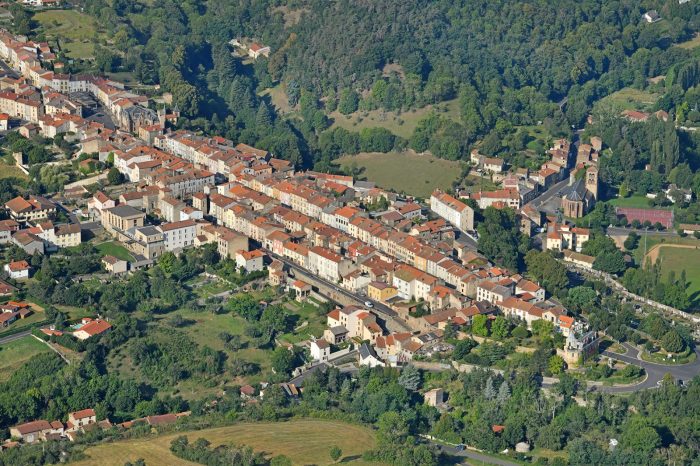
387 232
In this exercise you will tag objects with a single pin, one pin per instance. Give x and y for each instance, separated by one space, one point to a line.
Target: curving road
655 372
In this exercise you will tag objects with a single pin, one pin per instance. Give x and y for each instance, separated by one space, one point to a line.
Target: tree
610 261
542 328
546 269
480 325
555 365
348 101
632 241
499 237
581 298
503 392
463 348
392 428
410 378
335 453
489 390
500 328
283 360
639 436
672 342
114 176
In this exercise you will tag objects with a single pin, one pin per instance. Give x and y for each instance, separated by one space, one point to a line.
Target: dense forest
508 63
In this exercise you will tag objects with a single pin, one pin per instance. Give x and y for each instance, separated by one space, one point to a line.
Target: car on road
369 304
460 447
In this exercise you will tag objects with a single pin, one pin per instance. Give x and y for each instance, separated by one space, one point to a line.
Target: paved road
381 310
655 372
452 451
14 337
618 231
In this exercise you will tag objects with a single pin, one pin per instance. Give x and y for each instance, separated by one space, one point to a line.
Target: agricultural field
304 441
14 354
401 124
630 99
407 172
75 32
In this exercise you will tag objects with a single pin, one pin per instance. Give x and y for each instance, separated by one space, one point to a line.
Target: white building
453 210
320 350
327 264
178 235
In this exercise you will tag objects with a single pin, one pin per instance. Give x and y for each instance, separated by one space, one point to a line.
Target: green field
304 441
75 32
14 354
407 172
115 249
679 259
632 201
630 99
307 312
8 170
401 124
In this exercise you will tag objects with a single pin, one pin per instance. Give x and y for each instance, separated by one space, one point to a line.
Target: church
579 197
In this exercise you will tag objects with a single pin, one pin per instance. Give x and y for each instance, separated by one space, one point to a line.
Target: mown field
305 441
13 355
408 172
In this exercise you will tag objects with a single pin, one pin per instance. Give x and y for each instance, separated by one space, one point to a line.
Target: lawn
408 172
635 201
14 354
304 441
630 99
75 32
401 124
679 259
115 249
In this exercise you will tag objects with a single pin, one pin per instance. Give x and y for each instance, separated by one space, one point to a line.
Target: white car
369 304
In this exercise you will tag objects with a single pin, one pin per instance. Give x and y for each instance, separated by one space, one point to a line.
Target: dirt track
654 252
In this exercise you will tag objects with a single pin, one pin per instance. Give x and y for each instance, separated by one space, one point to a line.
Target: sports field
305 441
408 172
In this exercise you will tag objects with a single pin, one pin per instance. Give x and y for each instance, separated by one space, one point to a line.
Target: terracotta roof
83 413
34 426
17 266
95 327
